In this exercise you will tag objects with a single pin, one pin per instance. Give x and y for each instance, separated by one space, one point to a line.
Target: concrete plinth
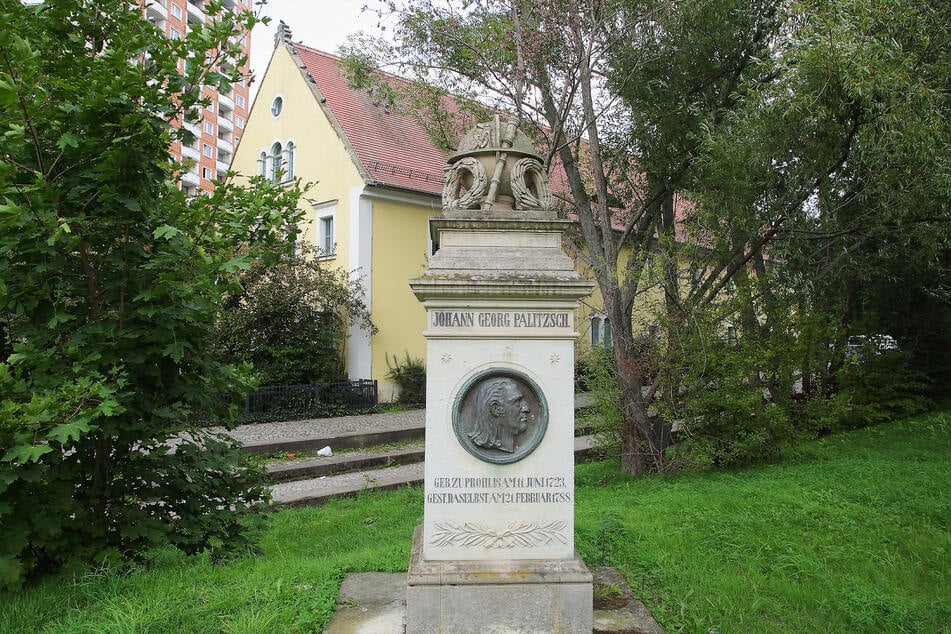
497 596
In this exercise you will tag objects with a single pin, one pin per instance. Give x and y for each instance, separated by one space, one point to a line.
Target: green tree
110 280
605 86
697 140
289 322
848 144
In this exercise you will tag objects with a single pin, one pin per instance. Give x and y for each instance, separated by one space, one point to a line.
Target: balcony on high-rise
225 102
190 178
224 159
155 12
196 11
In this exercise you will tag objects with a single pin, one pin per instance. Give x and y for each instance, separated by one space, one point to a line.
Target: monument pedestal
496 552
479 596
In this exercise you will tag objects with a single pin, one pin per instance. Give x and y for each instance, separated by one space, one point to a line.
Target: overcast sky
320 24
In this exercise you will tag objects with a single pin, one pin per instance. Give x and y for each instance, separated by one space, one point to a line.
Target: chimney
282 35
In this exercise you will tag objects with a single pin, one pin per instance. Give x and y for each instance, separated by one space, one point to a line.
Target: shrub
410 375
596 372
289 320
110 279
880 387
729 396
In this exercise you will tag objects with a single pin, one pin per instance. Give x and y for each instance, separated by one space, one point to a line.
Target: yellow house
379 178
378 181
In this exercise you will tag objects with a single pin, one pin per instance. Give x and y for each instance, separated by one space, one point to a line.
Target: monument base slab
497 596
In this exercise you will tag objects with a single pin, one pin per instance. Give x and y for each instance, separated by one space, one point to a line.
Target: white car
857 345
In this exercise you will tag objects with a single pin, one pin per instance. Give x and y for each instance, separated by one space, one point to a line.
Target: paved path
323 427
259 433
318 489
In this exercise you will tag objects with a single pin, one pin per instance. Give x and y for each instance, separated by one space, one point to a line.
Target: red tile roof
392 148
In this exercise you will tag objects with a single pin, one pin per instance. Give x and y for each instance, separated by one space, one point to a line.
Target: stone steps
337 442
318 467
377 451
352 474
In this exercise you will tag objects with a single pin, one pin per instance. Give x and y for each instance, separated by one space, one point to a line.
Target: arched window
289 161
730 335
601 331
262 163
277 162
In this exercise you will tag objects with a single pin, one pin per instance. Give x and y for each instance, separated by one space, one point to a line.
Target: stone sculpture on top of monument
496 548
495 169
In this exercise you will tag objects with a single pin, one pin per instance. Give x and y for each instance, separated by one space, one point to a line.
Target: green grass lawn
850 534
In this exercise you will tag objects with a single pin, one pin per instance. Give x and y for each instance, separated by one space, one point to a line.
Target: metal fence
309 399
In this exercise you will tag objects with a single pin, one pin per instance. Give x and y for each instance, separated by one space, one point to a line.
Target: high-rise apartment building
223 120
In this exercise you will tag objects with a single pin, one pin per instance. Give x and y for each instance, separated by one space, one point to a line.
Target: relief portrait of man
501 414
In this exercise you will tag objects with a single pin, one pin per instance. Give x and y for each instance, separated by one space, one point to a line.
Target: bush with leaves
595 372
289 320
879 386
110 281
729 380
410 375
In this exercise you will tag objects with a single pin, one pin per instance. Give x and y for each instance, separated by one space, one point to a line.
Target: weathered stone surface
496 549
373 603
473 597
616 610
496 169
370 603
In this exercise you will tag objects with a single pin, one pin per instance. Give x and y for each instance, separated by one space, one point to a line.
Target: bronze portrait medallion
500 416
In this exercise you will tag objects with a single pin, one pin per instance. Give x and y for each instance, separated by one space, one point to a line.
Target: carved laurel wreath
527 175
524 534
455 176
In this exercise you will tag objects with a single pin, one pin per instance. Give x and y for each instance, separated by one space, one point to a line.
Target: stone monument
495 552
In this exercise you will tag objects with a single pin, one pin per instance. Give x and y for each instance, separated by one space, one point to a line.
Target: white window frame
239 121
209 127
326 212
601 330
207 150
275 161
239 101
287 158
731 335
176 10
277 102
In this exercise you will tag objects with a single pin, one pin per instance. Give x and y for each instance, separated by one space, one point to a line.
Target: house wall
649 304
321 158
381 233
400 248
